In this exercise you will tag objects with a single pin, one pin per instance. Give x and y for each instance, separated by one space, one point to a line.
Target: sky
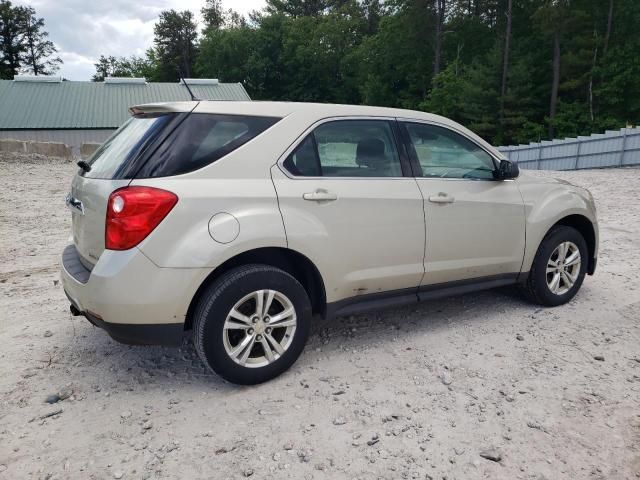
85 29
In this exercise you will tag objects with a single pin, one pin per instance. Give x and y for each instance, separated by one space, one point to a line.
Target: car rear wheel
252 323
559 267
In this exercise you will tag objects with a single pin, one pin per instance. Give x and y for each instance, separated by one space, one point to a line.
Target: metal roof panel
83 105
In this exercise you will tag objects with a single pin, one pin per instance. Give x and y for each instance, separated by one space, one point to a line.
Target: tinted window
200 140
347 148
303 161
125 144
447 154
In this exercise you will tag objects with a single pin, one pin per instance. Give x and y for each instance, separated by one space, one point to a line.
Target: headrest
370 153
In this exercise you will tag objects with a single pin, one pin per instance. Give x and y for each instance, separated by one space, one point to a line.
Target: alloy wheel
259 328
563 268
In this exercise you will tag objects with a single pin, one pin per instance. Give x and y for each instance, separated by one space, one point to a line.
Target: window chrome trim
280 163
317 123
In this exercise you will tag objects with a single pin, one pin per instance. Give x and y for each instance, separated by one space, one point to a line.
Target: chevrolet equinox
242 221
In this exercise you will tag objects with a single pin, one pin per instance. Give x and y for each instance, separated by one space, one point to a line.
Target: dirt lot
417 392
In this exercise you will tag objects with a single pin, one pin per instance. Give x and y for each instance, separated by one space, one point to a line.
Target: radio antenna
193 97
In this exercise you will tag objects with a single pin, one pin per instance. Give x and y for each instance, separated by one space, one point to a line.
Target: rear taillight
133 213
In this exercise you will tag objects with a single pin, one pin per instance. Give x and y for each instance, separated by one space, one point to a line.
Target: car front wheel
252 323
559 267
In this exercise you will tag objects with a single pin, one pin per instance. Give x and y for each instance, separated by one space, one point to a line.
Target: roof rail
129 80
200 81
37 78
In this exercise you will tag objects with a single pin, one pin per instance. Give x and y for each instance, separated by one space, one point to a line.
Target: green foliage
124 67
382 53
175 45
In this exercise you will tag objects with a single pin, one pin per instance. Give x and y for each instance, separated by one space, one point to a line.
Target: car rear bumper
132 334
129 297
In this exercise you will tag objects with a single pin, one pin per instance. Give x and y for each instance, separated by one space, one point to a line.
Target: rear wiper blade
84 166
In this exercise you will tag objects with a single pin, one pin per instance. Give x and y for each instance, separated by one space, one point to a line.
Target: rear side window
347 148
200 140
128 142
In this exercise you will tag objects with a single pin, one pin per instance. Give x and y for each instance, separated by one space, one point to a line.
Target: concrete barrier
50 149
87 149
12 146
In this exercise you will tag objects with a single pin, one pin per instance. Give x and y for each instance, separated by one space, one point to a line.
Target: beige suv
242 221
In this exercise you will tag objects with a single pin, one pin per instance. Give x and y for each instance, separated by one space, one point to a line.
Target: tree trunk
593 66
505 62
555 84
440 6
32 59
609 25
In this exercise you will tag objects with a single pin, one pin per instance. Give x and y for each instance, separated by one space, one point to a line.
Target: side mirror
507 170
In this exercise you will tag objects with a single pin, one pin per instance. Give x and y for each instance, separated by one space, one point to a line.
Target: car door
350 204
475 224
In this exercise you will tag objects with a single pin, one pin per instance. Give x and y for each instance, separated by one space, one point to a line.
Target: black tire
535 288
217 301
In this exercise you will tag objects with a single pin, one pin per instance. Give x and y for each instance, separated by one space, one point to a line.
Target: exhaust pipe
74 310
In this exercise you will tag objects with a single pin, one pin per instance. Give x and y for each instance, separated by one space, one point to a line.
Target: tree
607 35
553 17
12 44
505 61
133 66
105 67
440 14
175 44
395 65
39 55
212 14
297 8
24 44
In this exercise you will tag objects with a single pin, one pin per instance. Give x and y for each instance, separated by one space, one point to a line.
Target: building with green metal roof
48 109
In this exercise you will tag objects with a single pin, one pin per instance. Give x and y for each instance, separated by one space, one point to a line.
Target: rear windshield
128 142
200 140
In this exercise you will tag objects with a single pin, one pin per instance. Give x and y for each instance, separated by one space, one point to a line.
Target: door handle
320 195
441 198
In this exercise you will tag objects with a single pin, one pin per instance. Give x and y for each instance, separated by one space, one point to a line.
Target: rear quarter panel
239 184
183 240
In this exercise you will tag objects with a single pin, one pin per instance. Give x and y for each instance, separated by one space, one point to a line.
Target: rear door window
303 162
200 140
347 148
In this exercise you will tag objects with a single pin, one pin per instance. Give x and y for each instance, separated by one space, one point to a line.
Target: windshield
127 142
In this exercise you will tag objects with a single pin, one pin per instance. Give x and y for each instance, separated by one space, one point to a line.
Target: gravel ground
481 386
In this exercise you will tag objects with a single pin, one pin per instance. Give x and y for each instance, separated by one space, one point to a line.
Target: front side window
347 148
443 153
202 139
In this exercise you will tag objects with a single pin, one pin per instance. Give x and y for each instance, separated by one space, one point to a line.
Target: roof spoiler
184 107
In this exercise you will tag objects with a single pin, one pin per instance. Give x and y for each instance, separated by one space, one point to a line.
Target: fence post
575 166
624 145
539 156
